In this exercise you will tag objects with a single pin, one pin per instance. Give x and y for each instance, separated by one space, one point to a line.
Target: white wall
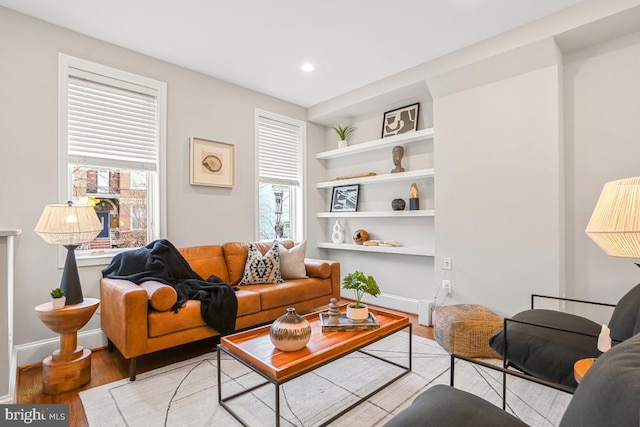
498 198
602 99
197 106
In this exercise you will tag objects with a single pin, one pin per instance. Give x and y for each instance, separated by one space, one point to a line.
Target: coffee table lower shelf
333 356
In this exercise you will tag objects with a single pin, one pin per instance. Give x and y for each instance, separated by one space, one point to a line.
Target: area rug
185 393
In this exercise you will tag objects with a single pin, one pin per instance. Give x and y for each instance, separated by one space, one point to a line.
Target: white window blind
111 123
278 152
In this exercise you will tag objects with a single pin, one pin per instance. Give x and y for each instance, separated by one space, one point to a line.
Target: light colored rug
185 393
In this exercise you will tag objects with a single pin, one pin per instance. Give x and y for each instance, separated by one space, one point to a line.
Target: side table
69 367
581 367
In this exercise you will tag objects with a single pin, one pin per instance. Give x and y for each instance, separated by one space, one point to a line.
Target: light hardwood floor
108 367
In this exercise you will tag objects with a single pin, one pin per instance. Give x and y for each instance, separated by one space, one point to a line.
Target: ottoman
464 329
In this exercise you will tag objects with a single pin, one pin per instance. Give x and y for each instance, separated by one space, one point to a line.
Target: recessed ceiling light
307 67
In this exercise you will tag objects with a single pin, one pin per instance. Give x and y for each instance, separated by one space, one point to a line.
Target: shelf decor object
397 153
414 201
343 133
69 226
212 163
401 120
345 198
337 236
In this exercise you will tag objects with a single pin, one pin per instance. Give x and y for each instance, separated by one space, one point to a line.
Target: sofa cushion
161 297
166 322
625 320
291 292
207 260
261 268
292 261
248 302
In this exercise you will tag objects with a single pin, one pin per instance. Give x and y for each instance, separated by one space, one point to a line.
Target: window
111 142
280 142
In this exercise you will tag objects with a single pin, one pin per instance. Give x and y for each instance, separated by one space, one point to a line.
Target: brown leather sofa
137 318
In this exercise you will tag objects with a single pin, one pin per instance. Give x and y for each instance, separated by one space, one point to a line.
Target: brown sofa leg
109 346
132 369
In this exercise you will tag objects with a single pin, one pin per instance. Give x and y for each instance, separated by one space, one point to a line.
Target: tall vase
290 332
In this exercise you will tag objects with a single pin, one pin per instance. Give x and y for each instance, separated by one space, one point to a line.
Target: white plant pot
58 303
342 143
358 314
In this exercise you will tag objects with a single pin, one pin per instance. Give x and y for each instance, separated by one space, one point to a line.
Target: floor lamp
69 226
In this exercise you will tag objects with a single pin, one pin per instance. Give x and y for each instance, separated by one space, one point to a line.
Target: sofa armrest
124 309
325 269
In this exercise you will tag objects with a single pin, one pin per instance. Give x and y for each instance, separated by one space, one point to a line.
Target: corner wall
499 181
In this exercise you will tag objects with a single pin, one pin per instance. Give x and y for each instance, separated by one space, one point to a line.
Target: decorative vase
337 236
290 332
342 143
358 314
398 204
58 303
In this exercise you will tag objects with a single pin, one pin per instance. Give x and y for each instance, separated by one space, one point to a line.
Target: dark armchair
547 343
609 395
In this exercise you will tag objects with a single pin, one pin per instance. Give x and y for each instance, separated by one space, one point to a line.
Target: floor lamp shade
615 222
69 226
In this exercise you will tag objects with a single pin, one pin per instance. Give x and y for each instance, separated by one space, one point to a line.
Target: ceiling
262 44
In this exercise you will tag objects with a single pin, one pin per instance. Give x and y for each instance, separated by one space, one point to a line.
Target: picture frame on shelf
400 120
212 163
345 198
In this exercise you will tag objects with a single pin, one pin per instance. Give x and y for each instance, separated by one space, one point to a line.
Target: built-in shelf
400 250
377 144
377 214
387 177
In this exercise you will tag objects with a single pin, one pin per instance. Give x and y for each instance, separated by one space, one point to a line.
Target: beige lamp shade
615 222
66 224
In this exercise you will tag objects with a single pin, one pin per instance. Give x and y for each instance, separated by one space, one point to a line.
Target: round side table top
581 367
68 319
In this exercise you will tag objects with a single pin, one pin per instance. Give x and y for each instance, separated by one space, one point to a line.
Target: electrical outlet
446 285
446 263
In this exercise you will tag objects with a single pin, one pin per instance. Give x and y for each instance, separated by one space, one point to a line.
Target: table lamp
615 222
69 226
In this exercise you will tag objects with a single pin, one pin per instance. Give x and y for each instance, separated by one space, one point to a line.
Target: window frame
157 188
299 228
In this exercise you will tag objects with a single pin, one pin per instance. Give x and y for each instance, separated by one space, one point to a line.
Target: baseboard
6 399
395 302
36 351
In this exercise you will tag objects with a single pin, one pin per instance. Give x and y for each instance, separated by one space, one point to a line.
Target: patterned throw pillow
262 269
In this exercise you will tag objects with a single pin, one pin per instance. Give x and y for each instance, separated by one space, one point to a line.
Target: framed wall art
399 121
212 163
345 198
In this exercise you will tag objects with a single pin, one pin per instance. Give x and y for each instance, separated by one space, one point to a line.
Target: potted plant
343 133
58 300
360 284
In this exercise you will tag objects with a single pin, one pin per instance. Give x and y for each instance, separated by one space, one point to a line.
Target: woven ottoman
464 329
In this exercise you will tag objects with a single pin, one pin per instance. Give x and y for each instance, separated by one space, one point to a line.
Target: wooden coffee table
254 349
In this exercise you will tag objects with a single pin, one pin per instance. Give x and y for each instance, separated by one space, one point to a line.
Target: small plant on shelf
344 131
57 293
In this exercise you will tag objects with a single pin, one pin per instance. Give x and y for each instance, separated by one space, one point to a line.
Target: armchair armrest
123 319
533 296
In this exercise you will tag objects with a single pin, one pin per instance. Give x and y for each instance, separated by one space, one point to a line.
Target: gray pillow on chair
609 393
625 320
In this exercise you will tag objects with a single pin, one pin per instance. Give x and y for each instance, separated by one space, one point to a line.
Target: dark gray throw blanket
161 261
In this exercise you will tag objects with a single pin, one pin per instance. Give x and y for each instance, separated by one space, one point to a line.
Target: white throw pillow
262 269
292 261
